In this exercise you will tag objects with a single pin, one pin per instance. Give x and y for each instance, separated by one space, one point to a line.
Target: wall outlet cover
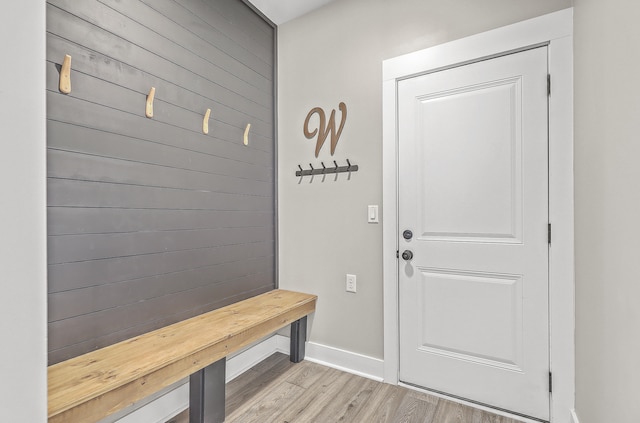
351 283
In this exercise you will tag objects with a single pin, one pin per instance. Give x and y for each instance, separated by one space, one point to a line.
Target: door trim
556 30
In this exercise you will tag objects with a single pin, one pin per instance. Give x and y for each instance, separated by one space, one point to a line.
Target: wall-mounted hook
246 134
205 122
65 75
325 169
149 109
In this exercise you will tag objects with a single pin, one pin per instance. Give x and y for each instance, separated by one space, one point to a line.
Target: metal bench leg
298 337
206 394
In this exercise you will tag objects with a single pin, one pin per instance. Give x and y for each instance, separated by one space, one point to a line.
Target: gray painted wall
150 221
335 54
607 128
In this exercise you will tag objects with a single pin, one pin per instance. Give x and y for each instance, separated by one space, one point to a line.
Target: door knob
407 255
407 234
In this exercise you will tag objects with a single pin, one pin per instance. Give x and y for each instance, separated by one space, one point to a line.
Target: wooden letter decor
323 130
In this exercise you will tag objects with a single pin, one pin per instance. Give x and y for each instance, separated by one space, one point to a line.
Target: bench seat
94 385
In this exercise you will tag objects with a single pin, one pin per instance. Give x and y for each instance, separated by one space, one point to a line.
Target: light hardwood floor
277 390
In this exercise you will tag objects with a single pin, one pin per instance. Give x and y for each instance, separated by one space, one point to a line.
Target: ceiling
281 11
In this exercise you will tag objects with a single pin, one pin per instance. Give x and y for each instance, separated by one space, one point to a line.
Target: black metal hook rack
326 170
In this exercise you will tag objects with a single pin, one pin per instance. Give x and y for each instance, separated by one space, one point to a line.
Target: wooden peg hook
149 110
246 134
65 75
205 122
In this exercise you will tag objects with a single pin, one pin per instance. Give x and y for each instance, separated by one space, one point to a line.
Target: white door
473 192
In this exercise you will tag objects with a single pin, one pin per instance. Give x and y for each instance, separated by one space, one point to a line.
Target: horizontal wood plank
91 16
84 274
98 246
138 77
170 317
89 387
75 221
161 17
256 57
225 142
243 33
236 11
73 193
78 139
96 90
97 298
199 293
86 167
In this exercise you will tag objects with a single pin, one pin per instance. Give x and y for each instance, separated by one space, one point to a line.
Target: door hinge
550 382
397 253
548 84
549 233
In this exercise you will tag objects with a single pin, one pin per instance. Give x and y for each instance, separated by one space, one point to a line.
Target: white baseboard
175 401
336 358
358 364
574 417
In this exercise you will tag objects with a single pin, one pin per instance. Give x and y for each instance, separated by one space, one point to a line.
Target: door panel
477 304
473 189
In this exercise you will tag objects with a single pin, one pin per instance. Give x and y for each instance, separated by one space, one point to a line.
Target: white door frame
556 30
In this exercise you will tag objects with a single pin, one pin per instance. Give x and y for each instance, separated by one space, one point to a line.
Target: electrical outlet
351 283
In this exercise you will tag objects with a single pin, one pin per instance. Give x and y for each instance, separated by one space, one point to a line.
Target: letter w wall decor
324 127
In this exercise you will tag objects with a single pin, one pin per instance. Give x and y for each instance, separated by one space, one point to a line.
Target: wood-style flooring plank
480 416
277 391
271 391
416 407
451 412
308 375
266 408
354 396
249 388
384 402
314 400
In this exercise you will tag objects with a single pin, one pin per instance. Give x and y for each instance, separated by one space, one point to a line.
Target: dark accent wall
149 220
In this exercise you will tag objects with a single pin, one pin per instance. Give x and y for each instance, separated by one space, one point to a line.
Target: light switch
373 214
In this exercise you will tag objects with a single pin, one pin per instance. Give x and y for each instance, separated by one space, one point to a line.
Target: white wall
23 329
335 54
607 147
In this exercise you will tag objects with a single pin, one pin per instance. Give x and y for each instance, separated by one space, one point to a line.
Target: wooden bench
94 385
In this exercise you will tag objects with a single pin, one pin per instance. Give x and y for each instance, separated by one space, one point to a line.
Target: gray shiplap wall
149 220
